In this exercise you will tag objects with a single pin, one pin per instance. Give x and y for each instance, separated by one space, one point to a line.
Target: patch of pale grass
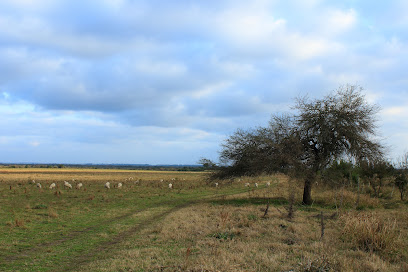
343 198
52 213
371 232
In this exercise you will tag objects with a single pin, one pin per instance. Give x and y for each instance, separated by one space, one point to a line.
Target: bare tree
323 130
340 124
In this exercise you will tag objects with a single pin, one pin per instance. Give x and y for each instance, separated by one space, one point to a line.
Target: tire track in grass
73 263
74 234
77 262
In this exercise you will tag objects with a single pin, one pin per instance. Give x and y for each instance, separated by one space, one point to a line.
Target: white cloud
396 112
338 21
210 90
34 143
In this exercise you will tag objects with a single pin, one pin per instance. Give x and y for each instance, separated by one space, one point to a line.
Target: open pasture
195 226
45 228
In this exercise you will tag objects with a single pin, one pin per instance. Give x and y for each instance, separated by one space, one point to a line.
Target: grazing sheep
79 185
33 181
161 180
52 186
39 185
173 179
107 185
67 184
170 186
119 185
256 185
247 184
268 184
216 184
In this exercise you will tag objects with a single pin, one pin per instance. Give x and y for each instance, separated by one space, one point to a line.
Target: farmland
195 226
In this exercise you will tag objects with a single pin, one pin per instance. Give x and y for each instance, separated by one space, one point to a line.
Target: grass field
195 226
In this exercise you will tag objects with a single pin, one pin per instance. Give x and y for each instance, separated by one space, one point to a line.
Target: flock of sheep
77 186
120 184
80 185
256 184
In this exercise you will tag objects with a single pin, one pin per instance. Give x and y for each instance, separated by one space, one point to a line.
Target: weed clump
40 206
371 233
319 264
226 235
52 213
19 223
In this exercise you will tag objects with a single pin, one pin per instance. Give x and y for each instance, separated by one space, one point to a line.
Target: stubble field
195 226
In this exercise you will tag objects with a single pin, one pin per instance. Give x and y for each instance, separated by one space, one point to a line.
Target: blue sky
165 82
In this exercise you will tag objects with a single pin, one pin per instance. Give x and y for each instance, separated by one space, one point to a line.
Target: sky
166 82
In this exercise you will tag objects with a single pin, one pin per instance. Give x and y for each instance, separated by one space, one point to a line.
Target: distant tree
207 164
339 125
401 178
376 172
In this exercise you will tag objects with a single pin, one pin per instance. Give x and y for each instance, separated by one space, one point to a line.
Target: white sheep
216 184
107 185
67 184
33 181
268 184
39 185
52 186
256 185
79 185
119 185
170 186
247 184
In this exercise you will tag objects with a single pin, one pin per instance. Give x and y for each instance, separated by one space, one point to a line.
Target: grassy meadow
195 226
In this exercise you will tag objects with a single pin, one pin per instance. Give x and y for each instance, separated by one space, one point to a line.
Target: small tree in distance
401 179
339 125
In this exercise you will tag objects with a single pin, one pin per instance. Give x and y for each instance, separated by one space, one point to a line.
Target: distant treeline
109 166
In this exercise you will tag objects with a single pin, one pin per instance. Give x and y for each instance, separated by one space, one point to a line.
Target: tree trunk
307 191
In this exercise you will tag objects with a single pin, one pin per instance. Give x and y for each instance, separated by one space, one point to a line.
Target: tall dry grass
371 232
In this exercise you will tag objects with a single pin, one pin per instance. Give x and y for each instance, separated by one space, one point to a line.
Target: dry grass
208 237
343 198
371 232
52 213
